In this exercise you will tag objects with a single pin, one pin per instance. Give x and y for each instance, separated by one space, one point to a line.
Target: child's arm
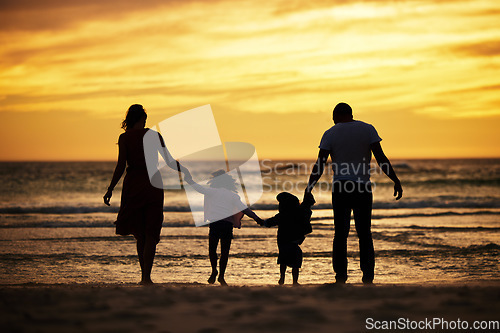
197 187
271 222
308 200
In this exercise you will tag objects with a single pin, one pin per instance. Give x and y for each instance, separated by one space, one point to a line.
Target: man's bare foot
146 282
296 284
222 281
281 281
212 277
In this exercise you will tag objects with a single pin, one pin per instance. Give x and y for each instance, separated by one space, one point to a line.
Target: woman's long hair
134 114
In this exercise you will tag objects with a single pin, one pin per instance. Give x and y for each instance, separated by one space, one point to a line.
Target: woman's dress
141 207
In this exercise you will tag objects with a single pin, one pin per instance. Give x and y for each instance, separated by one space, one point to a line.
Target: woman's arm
165 154
168 158
119 169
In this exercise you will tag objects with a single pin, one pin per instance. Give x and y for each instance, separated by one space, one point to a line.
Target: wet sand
209 309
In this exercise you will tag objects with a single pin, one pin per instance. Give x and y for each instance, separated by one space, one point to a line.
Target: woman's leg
148 257
213 242
146 248
225 246
151 229
140 252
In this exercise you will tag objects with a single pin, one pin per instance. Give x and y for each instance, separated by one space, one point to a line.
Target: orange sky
426 74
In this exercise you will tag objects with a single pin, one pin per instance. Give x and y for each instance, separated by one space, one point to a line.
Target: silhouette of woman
141 207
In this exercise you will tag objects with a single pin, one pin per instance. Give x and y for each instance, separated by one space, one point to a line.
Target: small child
294 222
223 209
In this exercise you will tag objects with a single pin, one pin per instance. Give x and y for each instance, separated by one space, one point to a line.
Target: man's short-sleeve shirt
349 146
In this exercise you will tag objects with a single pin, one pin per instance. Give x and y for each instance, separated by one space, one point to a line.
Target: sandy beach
209 309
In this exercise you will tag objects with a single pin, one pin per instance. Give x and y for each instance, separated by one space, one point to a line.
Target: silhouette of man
350 144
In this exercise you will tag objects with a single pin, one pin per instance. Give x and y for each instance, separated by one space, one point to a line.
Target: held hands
187 176
107 197
185 171
260 221
398 190
308 196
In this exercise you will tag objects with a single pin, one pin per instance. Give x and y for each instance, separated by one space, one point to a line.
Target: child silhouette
293 221
223 209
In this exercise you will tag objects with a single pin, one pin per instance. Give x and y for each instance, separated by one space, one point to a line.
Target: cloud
488 48
289 56
475 89
60 14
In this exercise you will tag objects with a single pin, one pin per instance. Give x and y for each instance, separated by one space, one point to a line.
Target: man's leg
362 211
282 274
295 275
341 219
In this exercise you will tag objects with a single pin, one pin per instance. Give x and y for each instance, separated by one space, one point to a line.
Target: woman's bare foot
222 281
281 281
212 277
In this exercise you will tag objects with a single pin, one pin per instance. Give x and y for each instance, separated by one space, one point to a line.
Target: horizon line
260 159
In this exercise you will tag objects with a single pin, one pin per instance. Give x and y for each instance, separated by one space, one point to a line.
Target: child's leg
225 246
282 274
295 275
212 253
297 264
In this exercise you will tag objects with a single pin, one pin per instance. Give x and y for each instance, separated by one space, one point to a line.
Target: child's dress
222 208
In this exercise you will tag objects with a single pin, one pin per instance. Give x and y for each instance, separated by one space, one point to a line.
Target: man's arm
317 170
386 167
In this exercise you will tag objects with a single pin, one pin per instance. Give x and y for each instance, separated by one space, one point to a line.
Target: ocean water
54 227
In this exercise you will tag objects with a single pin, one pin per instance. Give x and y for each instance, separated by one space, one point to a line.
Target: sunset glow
425 73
